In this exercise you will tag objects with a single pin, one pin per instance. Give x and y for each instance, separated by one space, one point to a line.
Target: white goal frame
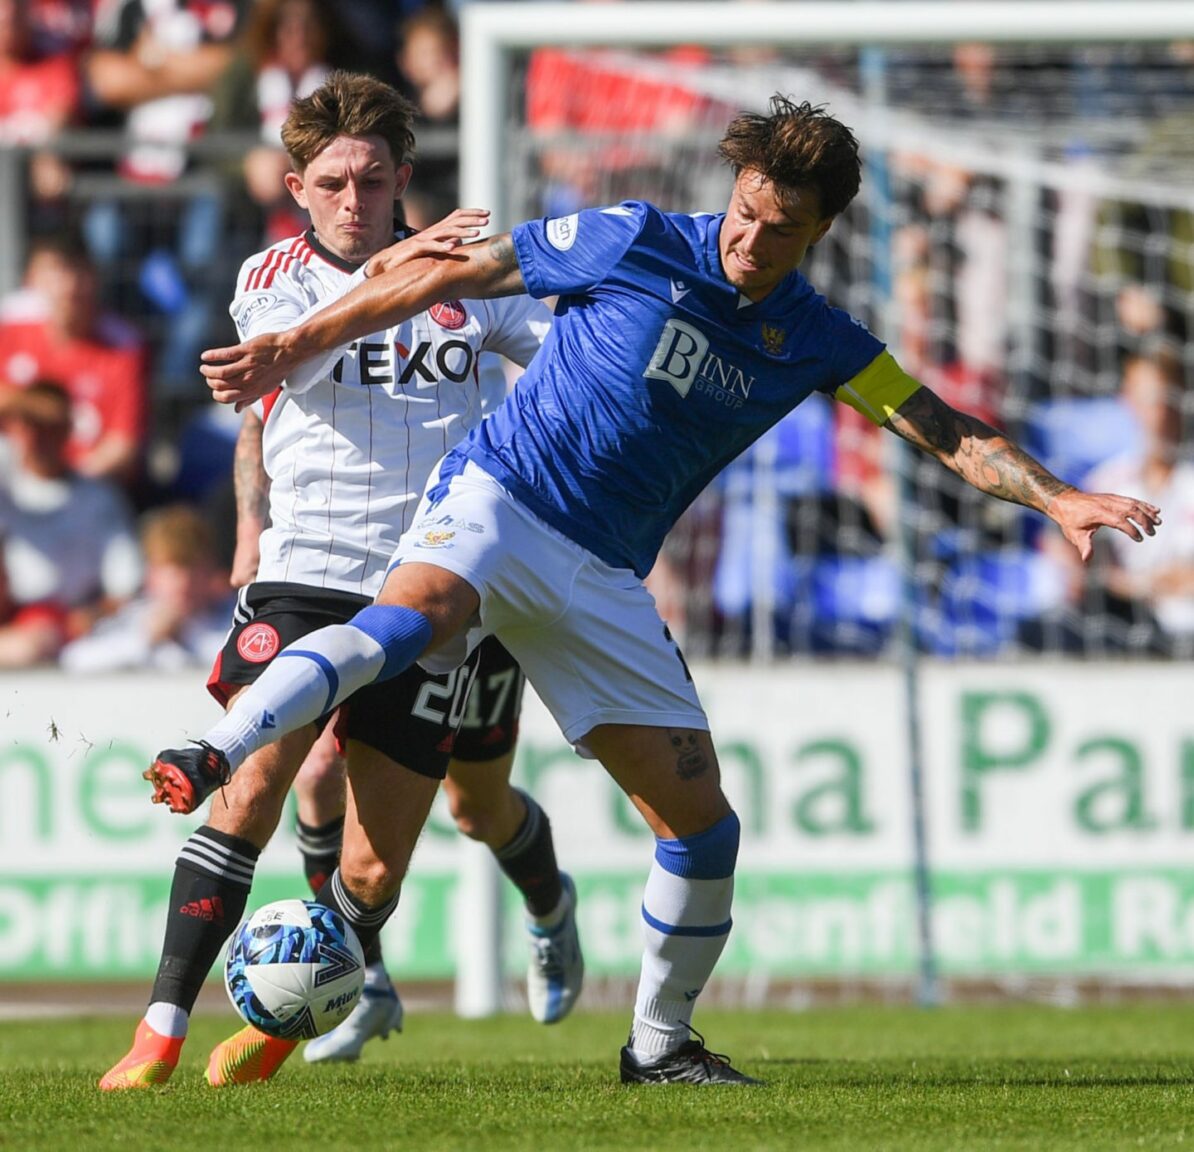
490 36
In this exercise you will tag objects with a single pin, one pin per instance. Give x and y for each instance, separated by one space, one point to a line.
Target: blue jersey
657 372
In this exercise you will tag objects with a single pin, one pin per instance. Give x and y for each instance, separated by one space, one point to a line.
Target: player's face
349 189
763 237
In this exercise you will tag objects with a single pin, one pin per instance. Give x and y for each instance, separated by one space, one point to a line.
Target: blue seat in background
984 598
855 601
1073 435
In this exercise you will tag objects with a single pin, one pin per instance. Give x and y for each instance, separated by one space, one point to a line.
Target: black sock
367 922
320 849
529 859
212 878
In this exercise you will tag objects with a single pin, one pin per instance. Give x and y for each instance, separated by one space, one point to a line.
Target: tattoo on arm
248 473
980 455
690 758
504 272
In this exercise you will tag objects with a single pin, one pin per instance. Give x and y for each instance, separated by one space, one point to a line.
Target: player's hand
245 372
441 238
1081 514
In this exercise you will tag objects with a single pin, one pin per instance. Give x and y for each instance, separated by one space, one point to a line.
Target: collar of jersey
325 253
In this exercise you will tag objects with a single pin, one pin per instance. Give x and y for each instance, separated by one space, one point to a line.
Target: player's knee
473 819
708 855
371 880
402 632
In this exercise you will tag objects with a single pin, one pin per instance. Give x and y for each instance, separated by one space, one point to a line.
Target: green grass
1015 1077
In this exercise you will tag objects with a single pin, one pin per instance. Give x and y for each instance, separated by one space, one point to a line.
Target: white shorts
587 635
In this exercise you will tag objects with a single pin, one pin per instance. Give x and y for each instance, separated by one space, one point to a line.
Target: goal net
1022 242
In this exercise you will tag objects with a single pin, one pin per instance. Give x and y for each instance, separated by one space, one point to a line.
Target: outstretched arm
396 289
990 462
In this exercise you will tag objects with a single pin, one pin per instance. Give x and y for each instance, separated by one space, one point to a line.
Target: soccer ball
295 969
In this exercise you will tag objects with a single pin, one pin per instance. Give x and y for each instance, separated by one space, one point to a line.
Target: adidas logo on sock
210 910
268 721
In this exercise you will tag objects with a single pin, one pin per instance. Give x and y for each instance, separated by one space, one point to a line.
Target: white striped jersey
350 440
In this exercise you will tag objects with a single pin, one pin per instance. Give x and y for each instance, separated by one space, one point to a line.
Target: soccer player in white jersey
348 445
678 340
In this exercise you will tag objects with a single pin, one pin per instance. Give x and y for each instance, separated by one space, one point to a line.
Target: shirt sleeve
284 304
518 325
572 254
879 389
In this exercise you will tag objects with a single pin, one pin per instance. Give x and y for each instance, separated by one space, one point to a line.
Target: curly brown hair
796 146
348 104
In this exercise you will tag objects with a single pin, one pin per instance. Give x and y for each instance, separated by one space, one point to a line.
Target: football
295 969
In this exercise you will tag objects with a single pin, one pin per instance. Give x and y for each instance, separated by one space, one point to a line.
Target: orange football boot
150 1061
247 1057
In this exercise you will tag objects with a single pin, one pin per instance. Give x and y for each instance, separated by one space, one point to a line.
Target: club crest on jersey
258 643
773 339
449 314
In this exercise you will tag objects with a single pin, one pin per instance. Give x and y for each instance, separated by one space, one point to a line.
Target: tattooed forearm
248 473
691 761
979 454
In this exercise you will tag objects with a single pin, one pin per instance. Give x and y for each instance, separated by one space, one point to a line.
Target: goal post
1031 174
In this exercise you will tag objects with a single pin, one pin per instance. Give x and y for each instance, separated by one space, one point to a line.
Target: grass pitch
954 1079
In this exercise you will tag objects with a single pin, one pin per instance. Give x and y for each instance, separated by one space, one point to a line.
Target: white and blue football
295 969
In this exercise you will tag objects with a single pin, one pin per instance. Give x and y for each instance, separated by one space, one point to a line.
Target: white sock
377 979
305 680
686 924
167 1019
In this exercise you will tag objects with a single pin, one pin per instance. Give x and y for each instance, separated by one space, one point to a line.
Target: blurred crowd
117 525
146 137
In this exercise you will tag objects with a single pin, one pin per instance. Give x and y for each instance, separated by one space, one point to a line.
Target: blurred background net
1022 241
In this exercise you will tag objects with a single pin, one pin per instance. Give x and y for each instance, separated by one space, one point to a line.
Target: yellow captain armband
879 389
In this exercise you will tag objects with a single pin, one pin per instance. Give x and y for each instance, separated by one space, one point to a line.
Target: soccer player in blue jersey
678 341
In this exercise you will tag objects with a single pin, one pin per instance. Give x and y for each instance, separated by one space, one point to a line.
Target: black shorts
416 719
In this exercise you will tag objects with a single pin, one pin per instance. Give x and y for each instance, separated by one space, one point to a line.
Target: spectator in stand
61 27
428 60
68 540
1120 604
286 51
55 329
29 634
153 67
39 96
1159 589
180 618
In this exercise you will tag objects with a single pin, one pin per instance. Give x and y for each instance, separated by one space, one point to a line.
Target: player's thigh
608 659
387 806
670 774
